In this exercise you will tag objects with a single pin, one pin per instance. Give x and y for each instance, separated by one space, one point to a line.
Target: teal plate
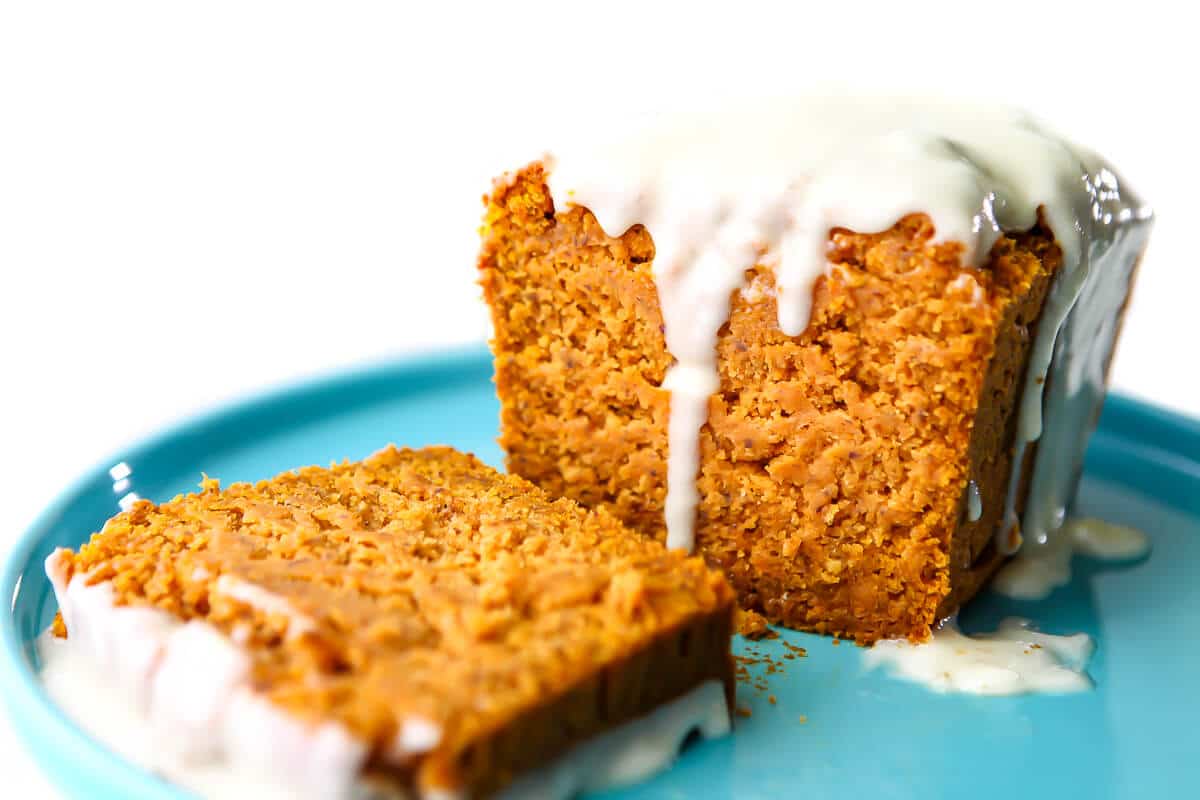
835 728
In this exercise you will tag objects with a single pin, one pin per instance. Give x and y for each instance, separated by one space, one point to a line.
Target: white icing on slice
633 752
86 696
415 736
128 646
321 761
1075 338
1013 660
190 690
974 502
1039 569
173 699
265 601
720 192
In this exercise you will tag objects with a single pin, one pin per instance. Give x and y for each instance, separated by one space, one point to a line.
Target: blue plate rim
1132 422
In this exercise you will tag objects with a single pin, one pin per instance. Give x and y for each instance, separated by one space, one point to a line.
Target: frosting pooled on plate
1040 568
1016 659
1013 660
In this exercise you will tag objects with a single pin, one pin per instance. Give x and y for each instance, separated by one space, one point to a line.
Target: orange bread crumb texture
425 584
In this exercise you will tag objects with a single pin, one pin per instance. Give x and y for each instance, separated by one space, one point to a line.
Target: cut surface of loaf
851 479
835 465
450 626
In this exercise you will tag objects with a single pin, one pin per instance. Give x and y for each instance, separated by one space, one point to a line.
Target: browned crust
437 588
672 664
834 464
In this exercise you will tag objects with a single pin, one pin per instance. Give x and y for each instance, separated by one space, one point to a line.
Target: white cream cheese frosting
632 752
174 698
184 706
1038 569
266 602
974 502
1016 659
721 192
1013 660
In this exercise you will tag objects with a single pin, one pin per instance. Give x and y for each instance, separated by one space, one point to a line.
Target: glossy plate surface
863 734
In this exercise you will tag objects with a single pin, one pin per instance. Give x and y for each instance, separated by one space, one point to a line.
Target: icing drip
631 753
267 602
1013 660
1040 568
1065 380
974 502
903 171
699 279
723 192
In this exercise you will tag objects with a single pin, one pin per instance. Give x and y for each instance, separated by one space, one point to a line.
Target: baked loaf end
835 465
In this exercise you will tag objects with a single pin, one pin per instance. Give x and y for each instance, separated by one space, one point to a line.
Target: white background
198 201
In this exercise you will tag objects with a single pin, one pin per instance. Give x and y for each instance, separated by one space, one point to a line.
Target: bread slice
416 619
